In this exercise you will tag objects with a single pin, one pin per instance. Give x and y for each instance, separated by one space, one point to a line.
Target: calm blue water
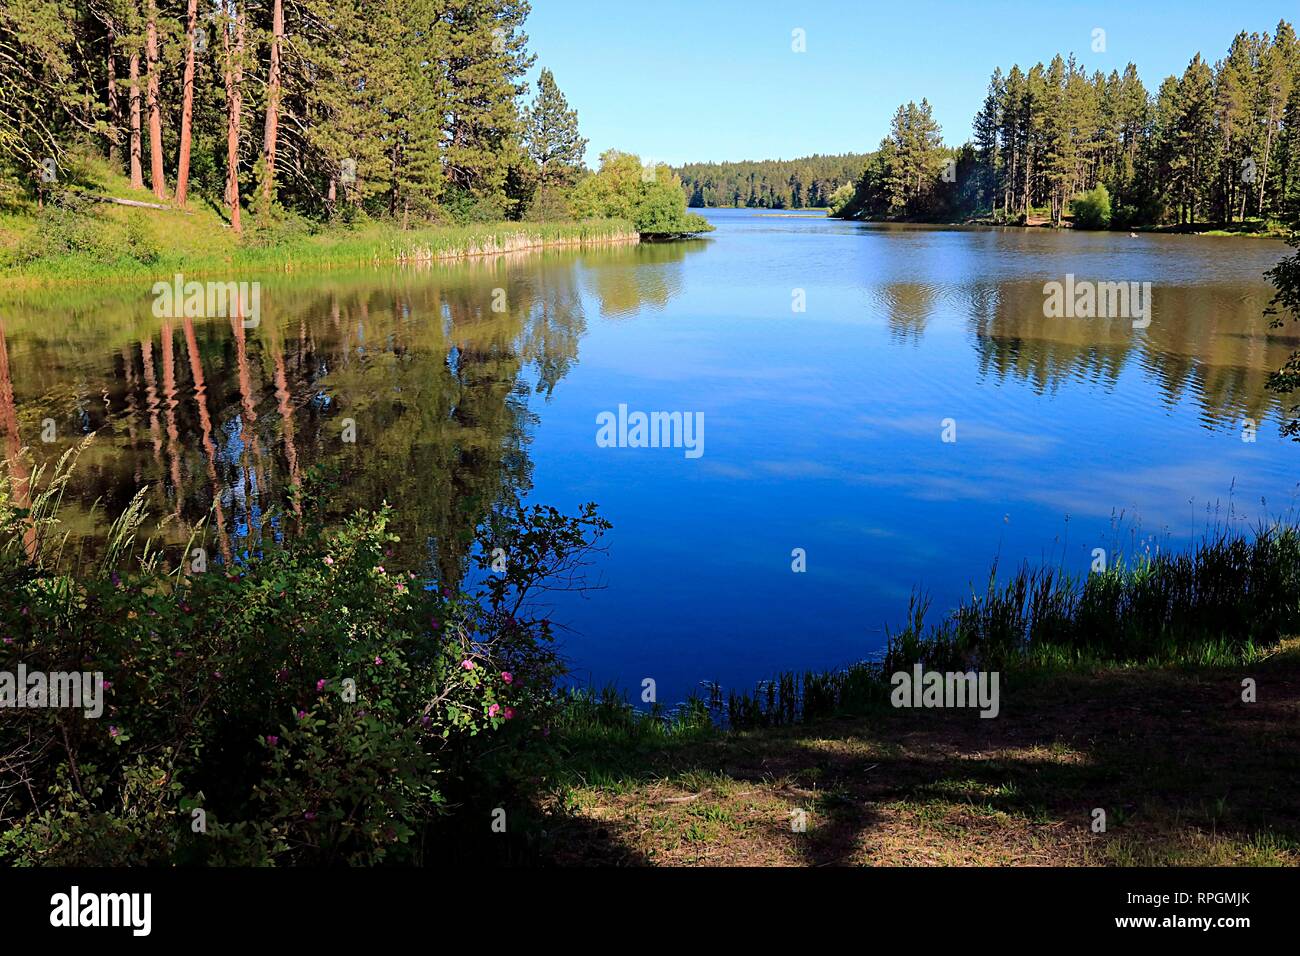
822 432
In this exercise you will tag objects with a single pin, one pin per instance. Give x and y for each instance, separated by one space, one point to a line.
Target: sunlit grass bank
78 237
132 244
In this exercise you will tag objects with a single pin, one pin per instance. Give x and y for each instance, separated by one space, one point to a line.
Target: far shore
1250 230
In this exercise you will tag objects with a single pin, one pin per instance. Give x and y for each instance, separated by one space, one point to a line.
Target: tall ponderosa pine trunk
1009 187
157 177
137 171
272 130
234 106
187 107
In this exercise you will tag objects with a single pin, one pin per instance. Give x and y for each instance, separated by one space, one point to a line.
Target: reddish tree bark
157 177
173 431
137 171
272 130
234 106
209 446
187 109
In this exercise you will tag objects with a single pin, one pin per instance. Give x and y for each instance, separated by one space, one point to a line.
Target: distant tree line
770 184
1220 143
398 108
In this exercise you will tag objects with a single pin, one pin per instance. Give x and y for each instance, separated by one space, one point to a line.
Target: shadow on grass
1185 771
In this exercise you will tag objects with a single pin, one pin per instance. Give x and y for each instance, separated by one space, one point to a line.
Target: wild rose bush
310 706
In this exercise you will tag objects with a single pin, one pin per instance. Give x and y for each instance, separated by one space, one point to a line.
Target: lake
828 361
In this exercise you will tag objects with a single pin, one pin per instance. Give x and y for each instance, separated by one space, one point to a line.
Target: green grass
604 737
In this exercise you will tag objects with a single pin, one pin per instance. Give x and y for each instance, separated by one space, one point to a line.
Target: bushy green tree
649 197
839 199
1092 208
44 95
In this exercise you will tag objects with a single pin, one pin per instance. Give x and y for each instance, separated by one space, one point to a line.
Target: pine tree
551 133
1236 123
157 178
1276 81
1013 135
484 55
986 127
1195 161
187 103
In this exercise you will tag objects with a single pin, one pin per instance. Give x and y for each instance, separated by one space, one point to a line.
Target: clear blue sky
682 80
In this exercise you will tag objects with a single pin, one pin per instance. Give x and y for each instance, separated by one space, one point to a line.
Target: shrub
280 227
840 199
307 706
67 225
548 205
140 242
1124 216
1092 208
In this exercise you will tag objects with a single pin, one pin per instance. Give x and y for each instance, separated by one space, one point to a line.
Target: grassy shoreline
196 250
